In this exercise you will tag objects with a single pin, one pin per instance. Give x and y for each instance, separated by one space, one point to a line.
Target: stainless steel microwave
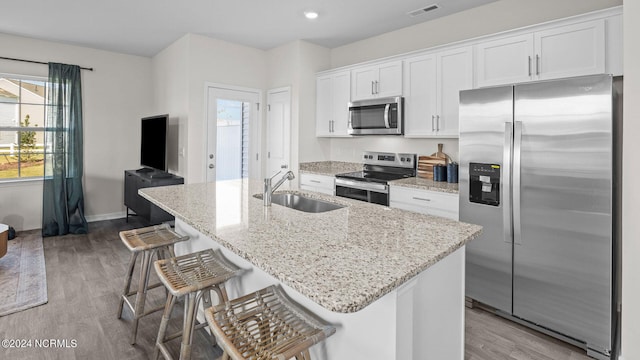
382 116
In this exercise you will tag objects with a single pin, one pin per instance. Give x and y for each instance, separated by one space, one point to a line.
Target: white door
455 74
324 105
389 79
505 61
420 95
278 131
572 50
233 133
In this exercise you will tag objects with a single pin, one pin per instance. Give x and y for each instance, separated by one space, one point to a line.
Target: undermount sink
302 203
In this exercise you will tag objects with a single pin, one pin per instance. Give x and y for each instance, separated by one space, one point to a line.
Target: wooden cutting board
426 163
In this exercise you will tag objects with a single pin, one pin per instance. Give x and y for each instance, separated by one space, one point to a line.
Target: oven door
376 117
365 191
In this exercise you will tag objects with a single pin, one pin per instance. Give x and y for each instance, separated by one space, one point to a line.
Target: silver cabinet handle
329 125
211 166
433 126
333 126
421 199
537 64
507 158
372 88
315 181
377 87
438 122
529 67
517 149
284 166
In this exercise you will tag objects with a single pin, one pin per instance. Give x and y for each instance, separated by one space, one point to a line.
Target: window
22 114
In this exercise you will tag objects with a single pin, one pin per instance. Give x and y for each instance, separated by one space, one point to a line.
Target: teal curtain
63 198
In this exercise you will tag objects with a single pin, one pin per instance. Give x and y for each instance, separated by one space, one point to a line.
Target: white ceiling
144 27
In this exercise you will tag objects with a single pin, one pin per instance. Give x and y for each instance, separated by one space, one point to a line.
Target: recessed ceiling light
311 15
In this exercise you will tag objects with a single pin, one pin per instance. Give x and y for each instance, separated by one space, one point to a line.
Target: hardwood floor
85 275
490 337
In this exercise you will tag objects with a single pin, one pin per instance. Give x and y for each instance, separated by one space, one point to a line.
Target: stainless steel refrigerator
538 170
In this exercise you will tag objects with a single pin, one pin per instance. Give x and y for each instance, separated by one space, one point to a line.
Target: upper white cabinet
432 84
373 81
571 50
332 104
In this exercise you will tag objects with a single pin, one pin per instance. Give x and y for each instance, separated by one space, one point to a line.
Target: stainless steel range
371 184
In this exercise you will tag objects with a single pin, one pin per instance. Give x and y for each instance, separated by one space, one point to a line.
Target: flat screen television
153 142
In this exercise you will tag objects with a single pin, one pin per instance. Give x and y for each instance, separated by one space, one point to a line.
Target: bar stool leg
206 303
168 308
142 293
189 322
127 282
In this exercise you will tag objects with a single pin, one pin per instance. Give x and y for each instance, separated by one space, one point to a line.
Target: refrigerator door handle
517 149
506 182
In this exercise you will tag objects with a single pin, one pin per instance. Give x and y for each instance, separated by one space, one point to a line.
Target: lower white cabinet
424 201
319 183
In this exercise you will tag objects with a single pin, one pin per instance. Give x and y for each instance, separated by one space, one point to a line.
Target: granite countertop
329 168
343 259
426 184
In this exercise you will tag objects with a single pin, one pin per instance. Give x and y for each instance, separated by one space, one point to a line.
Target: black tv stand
135 180
145 170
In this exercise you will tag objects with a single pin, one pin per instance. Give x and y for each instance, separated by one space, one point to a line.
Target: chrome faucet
269 189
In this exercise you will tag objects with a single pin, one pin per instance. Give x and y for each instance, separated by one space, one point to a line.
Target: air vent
423 10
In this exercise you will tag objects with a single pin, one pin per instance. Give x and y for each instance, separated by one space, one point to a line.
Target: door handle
438 122
529 67
537 64
507 220
386 115
372 91
433 126
377 87
284 166
517 151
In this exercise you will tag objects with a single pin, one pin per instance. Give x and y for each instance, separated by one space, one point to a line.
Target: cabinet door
455 74
363 82
324 101
341 95
420 96
389 79
504 61
572 50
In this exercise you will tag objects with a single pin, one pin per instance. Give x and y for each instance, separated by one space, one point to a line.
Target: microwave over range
383 116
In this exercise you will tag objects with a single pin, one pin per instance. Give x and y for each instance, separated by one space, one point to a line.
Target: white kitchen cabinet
332 104
319 183
424 201
376 81
431 86
564 51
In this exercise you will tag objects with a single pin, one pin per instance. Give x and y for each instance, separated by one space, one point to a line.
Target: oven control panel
390 159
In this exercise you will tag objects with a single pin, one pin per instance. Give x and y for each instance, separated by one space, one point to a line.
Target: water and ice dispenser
484 183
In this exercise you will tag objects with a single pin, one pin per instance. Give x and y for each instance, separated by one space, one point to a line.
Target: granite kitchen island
391 281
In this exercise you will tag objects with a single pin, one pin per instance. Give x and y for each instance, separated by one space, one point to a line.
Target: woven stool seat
193 272
266 325
193 276
149 241
150 237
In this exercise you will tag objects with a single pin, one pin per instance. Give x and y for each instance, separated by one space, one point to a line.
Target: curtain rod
37 62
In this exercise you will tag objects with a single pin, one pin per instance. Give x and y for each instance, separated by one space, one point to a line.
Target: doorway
233 133
278 131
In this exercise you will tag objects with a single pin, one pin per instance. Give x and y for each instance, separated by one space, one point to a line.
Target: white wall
221 62
295 64
630 186
171 96
115 96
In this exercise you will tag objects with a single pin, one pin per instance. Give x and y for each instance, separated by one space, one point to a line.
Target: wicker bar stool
194 276
152 240
266 325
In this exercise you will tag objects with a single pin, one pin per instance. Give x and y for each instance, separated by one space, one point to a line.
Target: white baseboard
101 217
